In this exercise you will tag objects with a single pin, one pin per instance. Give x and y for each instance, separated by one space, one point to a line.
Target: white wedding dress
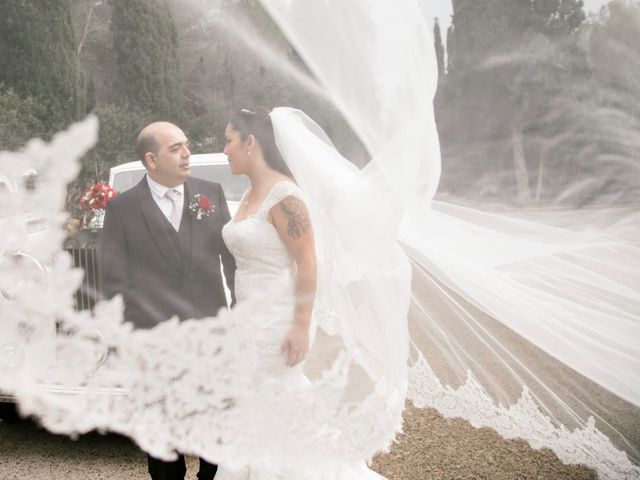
265 265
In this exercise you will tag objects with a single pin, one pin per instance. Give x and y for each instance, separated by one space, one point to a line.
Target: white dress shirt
158 193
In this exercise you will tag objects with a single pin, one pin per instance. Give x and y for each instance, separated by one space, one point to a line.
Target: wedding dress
263 261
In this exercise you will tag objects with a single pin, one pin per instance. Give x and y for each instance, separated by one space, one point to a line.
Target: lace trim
280 191
587 446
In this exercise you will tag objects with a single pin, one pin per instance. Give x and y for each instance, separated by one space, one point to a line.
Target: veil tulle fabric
529 327
504 309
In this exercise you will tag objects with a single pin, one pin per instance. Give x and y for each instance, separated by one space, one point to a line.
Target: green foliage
116 144
38 59
227 68
614 113
20 119
437 41
508 86
147 63
450 49
613 48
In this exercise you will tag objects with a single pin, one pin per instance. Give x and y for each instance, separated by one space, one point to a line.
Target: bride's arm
291 219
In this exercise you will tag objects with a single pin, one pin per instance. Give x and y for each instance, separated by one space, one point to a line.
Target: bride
272 239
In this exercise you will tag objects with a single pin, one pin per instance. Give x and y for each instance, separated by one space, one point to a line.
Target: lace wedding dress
263 262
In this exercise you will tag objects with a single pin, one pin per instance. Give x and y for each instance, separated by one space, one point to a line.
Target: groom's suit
161 272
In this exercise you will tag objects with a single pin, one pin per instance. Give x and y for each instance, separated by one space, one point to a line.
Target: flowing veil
526 322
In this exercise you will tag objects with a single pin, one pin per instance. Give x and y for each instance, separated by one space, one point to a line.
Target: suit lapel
157 226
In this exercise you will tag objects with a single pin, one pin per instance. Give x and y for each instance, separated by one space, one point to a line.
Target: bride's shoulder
283 188
286 187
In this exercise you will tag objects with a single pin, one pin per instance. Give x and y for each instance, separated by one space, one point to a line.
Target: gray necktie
176 211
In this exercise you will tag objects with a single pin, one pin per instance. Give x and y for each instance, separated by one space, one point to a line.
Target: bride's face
236 151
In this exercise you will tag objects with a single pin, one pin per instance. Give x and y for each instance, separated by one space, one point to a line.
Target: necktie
176 211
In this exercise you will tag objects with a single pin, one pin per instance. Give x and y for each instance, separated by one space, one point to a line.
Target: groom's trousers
176 470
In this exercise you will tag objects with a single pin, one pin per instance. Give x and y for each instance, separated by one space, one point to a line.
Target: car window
233 185
123 181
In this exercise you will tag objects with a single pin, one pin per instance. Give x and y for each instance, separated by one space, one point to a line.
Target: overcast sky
442 10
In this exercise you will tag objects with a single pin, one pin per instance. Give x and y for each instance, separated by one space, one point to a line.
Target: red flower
201 206
204 203
97 196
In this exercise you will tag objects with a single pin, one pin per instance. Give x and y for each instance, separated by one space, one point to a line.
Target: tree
614 114
39 60
508 59
437 40
20 119
92 19
116 145
450 48
147 64
235 57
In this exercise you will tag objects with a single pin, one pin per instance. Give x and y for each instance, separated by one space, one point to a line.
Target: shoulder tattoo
298 221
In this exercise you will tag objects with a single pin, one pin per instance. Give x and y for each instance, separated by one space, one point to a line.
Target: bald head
148 138
164 151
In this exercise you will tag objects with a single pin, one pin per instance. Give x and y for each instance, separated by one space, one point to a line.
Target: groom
161 249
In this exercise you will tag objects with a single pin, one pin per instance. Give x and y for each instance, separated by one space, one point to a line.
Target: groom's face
170 165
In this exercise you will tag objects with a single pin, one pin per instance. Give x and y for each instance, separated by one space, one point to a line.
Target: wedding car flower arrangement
94 201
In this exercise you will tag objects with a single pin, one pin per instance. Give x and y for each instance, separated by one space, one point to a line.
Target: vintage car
21 233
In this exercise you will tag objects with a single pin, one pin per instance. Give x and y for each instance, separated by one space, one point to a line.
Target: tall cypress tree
38 59
437 40
450 48
147 63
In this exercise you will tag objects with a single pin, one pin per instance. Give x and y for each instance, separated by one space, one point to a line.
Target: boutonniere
201 206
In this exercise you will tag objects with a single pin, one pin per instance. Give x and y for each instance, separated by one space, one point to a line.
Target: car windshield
233 185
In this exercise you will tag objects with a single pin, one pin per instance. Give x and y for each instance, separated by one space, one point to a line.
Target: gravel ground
431 448
28 452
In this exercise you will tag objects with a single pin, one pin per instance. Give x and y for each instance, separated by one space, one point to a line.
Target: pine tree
38 59
147 64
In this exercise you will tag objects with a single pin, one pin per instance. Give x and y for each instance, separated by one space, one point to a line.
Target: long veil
527 322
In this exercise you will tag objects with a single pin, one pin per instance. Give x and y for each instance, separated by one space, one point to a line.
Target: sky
442 9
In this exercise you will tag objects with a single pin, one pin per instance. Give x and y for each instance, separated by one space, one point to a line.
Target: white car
208 166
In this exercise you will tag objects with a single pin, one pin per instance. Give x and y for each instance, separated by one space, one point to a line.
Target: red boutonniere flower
201 206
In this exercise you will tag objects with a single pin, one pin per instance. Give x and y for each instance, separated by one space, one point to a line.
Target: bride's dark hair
257 122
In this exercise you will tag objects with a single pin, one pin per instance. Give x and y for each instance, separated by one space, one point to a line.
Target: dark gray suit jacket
159 272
